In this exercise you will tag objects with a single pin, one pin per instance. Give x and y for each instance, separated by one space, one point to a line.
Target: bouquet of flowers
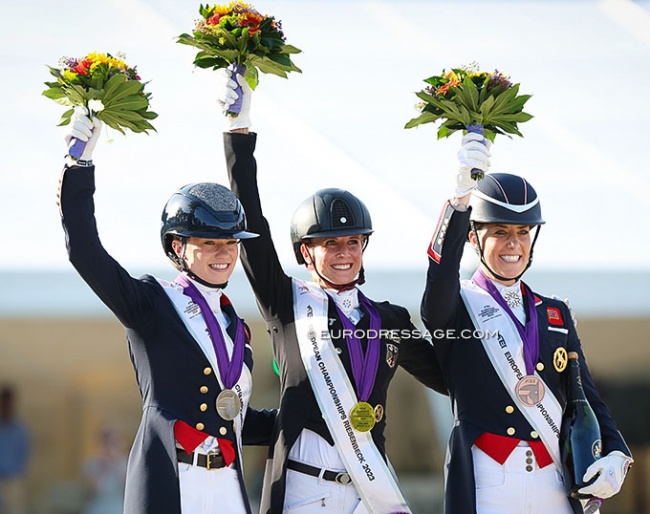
238 36
472 100
107 87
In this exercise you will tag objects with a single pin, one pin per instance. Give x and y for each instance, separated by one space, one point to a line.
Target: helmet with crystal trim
204 210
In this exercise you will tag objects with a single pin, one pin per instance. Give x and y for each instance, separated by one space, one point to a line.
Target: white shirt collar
348 302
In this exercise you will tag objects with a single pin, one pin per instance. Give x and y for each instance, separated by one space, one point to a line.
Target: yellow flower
69 75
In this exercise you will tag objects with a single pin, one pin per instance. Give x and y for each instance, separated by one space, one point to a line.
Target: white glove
226 96
84 129
474 153
612 469
568 304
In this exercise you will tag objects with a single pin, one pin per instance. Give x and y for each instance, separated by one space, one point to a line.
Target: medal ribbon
529 334
364 368
229 370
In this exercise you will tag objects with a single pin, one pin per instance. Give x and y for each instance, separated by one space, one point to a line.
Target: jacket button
207 371
223 430
203 407
529 468
204 389
534 435
199 426
510 431
540 366
510 409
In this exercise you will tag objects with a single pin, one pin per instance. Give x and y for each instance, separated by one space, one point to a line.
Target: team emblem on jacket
391 354
560 359
530 390
554 316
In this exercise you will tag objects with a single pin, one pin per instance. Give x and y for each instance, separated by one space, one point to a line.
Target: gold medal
530 390
228 404
362 417
379 412
560 359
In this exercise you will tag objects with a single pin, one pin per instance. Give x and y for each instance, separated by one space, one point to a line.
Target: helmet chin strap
183 269
492 272
361 278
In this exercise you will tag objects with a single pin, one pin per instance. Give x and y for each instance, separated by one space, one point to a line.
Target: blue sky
340 123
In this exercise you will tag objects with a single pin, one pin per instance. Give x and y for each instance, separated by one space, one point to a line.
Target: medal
228 404
530 390
362 417
379 412
560 359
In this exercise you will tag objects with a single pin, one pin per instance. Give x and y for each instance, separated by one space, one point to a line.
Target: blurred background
338 124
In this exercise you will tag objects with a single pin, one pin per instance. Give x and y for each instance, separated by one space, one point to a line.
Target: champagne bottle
580 442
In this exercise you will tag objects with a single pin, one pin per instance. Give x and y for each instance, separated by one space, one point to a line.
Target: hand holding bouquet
471 100
107 87
239 37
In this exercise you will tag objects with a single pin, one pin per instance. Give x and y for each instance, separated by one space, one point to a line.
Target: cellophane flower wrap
471 100
106 86
236 35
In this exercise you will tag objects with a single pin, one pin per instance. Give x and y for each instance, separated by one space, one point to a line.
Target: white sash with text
335 395
506 354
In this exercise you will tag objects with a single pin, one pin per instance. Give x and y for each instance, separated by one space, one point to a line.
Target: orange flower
251 20
442 90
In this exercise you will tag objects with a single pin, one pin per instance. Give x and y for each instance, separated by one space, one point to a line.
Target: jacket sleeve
258 427
121 293
259 257
610 435
441 300
418 357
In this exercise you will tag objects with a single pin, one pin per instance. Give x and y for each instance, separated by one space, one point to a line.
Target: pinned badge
560 359
554 316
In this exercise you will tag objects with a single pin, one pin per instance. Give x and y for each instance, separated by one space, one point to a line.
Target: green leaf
112 85
122 91
54 93
425 117
288 49
130 103
65 118
486 106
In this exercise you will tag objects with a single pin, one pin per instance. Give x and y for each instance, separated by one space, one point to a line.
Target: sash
190 314
505 351
335 395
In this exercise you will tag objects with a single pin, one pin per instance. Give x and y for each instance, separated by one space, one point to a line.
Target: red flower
83 67
214 19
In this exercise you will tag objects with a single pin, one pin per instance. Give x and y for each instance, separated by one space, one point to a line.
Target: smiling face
212 260
506 249
337 259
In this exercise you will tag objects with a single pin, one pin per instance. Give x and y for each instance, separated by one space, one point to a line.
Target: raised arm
111 283
441 299
259 257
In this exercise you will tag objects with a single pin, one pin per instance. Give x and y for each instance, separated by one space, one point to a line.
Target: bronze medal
530 390
228 404
362 417
379 412
560 359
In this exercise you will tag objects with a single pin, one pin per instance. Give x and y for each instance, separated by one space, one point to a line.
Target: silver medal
228 404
